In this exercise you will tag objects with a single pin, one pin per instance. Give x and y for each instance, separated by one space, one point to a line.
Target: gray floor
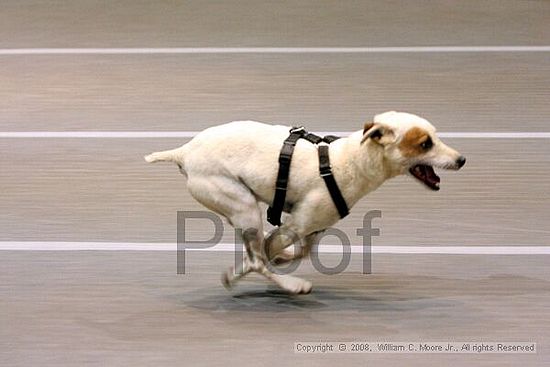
126 308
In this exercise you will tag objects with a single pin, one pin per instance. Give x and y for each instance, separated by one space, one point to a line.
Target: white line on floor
227 247
190 134
267 50
97 134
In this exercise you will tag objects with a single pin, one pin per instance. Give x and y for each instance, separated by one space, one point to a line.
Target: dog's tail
173 155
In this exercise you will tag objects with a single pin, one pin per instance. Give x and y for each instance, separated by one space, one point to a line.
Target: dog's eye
427 144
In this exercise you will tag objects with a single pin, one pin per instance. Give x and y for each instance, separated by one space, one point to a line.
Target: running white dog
233 167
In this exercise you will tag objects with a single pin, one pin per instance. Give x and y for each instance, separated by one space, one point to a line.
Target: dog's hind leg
256 260
232 199
233 274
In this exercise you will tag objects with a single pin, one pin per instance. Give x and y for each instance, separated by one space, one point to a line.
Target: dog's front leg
287 282
297 252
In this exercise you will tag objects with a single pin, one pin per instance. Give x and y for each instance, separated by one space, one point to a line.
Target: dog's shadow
352 292
259 299
322 298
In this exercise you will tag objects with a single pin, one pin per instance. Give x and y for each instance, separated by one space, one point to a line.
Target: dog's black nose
461 161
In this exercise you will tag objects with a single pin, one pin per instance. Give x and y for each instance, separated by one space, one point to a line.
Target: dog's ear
377 132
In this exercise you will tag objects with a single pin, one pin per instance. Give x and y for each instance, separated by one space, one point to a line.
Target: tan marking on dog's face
410 146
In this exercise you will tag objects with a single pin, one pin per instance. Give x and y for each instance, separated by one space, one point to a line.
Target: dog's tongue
427 175
431 177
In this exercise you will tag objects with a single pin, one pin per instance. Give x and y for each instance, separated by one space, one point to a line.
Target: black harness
285 157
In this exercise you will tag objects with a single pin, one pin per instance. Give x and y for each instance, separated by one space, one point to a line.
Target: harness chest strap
285 157
326 174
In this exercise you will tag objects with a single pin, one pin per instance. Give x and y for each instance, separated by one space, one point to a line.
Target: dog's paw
227 278
292 284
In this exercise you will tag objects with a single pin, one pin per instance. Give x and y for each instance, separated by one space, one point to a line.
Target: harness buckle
325 171
299 129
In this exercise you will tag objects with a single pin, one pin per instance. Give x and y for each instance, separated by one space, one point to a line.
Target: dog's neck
360 168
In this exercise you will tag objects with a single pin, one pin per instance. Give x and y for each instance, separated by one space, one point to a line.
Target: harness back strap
326 173
285 157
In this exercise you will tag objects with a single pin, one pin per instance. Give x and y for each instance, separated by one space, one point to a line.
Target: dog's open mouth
426 175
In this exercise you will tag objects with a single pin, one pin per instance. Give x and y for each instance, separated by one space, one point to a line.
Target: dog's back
243 150
225 142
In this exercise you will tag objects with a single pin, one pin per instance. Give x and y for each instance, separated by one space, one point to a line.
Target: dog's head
411 145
